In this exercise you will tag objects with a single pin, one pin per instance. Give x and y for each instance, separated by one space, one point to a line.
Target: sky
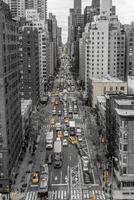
60 8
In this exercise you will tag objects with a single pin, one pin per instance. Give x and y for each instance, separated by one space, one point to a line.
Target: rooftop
125 112
125 102
108 79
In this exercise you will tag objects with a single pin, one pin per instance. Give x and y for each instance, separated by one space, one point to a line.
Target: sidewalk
21 183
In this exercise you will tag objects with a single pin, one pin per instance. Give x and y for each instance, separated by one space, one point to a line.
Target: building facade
10 105
77 5
105 46
129 50
30 65
26 112
98 87
75 30
120 135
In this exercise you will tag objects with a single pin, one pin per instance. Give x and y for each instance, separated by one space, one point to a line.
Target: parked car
79 139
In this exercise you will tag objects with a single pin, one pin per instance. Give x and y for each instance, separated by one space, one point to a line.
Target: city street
69 181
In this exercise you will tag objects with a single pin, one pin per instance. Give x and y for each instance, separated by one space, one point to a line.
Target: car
54 112
65 142
70 111
35 177
52 121
58 126
66 120
65 113
59 113
78 131
49 159
72 139
59 134
65 133
79 139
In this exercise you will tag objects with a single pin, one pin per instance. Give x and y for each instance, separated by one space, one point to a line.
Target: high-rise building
129 50
95 3
120 136
59 38
54 38
106 7
89 13
10 104
30 65
75 29
41 7
18 7
21 8
13 6
105 47
29 4
77 5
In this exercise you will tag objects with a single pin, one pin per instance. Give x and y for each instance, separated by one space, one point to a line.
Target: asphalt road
67 182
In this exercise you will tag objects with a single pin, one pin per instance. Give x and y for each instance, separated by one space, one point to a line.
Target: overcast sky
124 8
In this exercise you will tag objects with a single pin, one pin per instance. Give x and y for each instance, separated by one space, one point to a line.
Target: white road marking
61 177
51 178
59 194
62 194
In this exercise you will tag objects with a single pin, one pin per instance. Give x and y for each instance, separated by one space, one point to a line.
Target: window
111 88
1 155
122 88
124 158
125 147
125 136
124 170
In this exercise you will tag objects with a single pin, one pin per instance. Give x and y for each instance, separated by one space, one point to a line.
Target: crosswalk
99 194
64 195
32 195
58 194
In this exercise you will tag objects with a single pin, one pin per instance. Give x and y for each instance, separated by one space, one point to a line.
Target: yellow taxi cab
59 134
52 121
35 177
72 140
